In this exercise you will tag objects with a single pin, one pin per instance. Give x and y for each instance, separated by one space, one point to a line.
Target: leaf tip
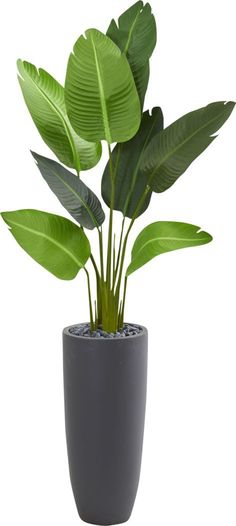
112 26
20 68
140 4
35 155
4 216
89 33
208 236
229 102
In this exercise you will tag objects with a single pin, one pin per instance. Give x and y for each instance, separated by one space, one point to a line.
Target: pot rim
67 332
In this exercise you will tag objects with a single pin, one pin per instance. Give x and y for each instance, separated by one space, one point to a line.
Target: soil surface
83 329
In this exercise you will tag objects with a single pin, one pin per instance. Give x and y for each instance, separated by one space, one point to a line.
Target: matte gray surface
105 398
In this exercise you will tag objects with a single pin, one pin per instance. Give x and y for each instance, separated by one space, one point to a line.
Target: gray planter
105 397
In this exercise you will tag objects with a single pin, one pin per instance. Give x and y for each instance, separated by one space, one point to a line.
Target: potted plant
105 360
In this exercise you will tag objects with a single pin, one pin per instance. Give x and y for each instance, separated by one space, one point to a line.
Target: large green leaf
74 195
171 152
164 236
54 242
130 183
135 34
44 97
101 97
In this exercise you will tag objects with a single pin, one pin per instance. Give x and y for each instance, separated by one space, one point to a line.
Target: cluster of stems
107 310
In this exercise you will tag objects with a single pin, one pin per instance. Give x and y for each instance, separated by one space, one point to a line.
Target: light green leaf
130 183
73 194
171 151
44 97
164 236
54 242
100 93
135 35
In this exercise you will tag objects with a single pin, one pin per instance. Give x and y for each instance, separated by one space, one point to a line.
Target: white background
186 299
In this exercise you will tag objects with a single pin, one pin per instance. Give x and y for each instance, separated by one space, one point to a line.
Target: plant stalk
123 302
90 301
109 244
146 192
101 253
95 266
119 250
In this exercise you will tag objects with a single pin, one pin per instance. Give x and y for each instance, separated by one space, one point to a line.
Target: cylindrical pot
105 396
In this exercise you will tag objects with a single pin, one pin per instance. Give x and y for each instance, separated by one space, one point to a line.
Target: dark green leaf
44 97
130 183
73 194
171 152
135 34
164 236
54 242
101 97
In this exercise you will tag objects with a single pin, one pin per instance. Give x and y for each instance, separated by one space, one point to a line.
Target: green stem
95 266
114 260
90 301
141 201
101 253
109 244
123 301
96 314
99 285
119 250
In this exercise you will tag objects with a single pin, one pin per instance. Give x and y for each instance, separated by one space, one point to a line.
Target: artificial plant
102 100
